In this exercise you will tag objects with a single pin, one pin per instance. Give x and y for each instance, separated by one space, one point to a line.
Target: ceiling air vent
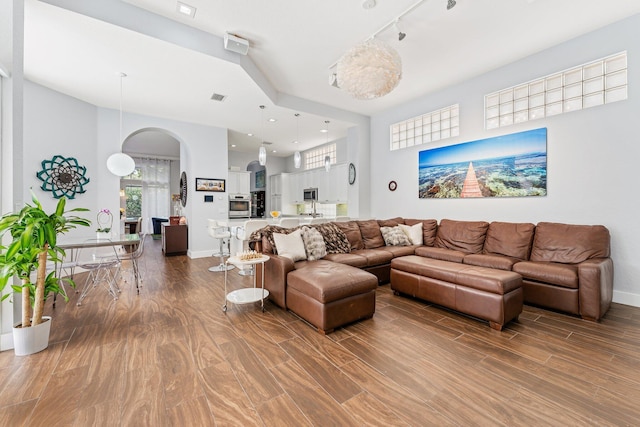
218 97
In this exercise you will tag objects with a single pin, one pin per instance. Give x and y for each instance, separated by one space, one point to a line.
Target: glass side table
246 295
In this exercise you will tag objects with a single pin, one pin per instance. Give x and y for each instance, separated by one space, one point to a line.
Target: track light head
451 4
401 35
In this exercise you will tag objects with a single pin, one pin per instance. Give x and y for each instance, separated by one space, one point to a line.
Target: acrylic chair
134 257
243 234
100 258
289 222
220 231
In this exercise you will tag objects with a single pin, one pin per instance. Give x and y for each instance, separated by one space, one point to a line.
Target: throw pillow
290 245
313 243
413 232
394 236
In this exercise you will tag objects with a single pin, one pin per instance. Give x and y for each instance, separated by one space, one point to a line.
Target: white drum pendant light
262 153
121 164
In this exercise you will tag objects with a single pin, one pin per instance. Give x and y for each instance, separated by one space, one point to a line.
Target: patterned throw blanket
334 238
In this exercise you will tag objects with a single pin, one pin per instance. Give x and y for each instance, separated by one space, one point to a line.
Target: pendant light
262 153
121 164
327 158
297 158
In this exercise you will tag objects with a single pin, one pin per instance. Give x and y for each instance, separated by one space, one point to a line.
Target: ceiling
293 45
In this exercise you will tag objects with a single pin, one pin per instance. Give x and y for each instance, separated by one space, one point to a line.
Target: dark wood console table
175 239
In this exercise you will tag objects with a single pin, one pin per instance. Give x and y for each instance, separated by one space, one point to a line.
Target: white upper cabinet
239 183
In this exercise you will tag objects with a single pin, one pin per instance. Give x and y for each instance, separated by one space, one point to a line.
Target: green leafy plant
34 235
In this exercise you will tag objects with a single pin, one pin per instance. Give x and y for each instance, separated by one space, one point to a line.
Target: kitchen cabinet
175 239
238 183
280 190
332 184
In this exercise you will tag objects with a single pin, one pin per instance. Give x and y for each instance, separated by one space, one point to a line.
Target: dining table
72 246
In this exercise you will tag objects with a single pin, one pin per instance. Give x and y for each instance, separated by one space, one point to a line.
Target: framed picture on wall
260 179
210 184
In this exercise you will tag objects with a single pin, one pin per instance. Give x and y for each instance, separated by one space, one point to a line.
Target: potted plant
34 236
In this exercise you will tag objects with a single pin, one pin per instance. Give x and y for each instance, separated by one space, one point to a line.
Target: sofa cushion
568 243
391 222
564 275
429 229
318 281
371 235
394 236
375 256
352 231
398 251
440 253
314 244
413 232
463 236
499 262
348 259
335 240
510 239
290 245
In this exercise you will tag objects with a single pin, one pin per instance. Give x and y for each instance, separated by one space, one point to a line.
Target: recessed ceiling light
274 151
249 134
272 120
323 131
295 142
233 145
185 9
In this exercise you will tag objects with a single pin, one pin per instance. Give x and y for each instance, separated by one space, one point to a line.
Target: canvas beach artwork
513 165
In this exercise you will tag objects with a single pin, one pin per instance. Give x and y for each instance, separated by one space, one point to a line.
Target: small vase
101 235
32 339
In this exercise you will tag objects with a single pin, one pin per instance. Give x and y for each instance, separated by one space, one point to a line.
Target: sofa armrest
275 279
595 278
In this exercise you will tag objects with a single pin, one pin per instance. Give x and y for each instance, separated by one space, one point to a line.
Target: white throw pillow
413 232
290 245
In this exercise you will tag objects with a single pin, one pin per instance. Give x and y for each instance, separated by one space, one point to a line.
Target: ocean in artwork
513 165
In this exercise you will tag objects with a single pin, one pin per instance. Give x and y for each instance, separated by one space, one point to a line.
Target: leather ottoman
486 293
329 295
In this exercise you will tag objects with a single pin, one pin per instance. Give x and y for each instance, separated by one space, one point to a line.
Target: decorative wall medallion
183 189
63 177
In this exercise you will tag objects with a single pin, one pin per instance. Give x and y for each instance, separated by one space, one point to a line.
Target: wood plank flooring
171 357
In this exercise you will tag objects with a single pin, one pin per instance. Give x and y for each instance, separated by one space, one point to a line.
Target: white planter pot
32 339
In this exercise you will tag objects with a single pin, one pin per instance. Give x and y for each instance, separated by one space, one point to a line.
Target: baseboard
626 298
200 254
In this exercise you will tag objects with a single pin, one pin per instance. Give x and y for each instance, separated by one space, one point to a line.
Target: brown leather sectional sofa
563 266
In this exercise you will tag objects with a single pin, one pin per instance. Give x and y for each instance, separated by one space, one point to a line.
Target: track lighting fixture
401 35
451 4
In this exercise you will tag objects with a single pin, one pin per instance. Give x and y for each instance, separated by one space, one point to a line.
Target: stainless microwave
310 194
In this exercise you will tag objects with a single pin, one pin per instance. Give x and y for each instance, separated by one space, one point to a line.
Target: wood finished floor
170 356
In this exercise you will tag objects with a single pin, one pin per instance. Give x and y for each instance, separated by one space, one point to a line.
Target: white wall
592 154
58 124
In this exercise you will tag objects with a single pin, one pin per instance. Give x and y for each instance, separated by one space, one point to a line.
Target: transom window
315 158
595 83
425 128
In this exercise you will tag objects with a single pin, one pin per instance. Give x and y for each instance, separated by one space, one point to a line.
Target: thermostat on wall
208 199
